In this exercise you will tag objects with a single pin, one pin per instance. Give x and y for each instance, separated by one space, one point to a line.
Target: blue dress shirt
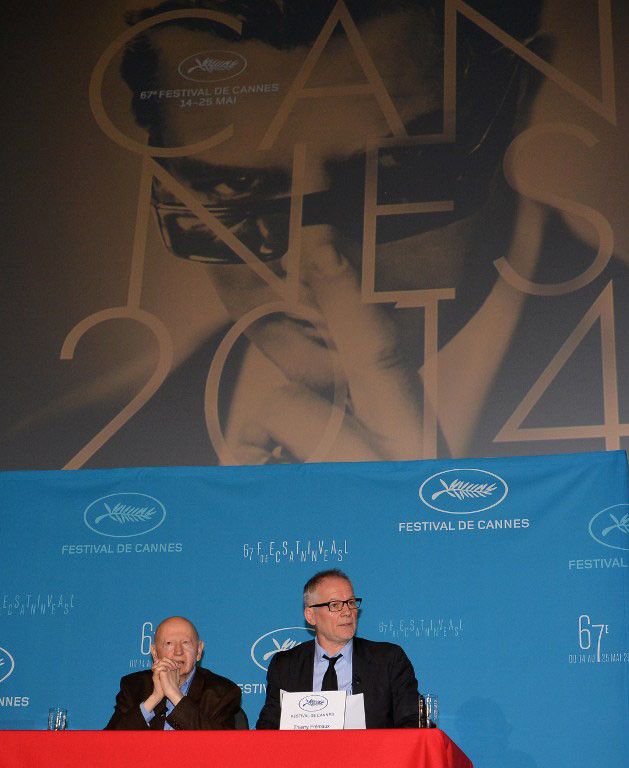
343 667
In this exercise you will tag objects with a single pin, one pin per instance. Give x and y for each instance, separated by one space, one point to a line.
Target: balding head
177 638
176 621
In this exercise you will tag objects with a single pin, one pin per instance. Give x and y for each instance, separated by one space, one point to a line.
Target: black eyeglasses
335 606
187 237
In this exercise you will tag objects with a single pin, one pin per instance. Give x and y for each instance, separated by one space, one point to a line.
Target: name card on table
308 711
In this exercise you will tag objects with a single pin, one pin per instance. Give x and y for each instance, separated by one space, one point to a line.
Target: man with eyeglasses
337 660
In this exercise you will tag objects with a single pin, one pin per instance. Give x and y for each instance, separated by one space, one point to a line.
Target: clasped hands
166 682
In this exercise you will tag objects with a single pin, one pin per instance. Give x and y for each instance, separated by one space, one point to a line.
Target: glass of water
57 719
423 723
432 710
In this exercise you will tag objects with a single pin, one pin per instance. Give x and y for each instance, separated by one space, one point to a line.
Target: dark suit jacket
380 671
210 704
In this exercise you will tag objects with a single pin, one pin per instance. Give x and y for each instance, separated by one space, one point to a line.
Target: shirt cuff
148 716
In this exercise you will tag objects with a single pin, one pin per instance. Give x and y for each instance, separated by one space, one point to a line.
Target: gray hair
311 585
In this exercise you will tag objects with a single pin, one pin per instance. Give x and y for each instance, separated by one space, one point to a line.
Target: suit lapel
305 669
361 676
360 668
196 686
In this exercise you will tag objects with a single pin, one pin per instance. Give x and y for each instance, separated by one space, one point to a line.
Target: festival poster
252 233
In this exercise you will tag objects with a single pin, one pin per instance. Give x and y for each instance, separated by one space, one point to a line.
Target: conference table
405 748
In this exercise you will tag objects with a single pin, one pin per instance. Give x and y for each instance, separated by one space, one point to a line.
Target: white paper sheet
309 711
355 712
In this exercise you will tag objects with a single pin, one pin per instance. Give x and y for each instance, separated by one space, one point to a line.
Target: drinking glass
57 719
432 710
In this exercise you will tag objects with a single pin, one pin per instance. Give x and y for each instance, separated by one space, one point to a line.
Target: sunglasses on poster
254 204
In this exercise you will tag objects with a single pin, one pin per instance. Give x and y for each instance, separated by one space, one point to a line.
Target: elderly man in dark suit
336 660
176 694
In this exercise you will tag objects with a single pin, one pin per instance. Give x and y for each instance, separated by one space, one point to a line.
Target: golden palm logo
121 515
277 641
610 527
285 646
313 703
620 525
213 65
461 490
125 513
6 664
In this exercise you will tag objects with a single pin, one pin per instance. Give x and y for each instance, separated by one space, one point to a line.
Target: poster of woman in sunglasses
276 231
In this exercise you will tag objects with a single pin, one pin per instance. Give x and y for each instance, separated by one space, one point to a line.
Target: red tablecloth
224 749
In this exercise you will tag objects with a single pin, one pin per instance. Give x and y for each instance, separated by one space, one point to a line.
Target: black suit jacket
380 671
210 704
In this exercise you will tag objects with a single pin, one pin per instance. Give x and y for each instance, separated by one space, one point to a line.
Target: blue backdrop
505 580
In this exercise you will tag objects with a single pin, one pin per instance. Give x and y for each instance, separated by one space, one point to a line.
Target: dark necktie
330 683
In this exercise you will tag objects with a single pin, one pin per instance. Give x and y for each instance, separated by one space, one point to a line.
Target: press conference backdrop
505 580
